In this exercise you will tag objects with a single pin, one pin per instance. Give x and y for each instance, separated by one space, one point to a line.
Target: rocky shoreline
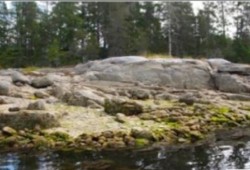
124 102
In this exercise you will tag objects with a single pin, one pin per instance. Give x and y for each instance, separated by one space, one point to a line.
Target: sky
197 5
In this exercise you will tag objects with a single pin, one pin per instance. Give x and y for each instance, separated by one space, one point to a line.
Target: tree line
63 33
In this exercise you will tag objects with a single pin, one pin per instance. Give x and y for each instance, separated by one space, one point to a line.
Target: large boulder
5 88
232 83
42 82
18 77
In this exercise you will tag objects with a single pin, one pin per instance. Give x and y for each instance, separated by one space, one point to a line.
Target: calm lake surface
218 156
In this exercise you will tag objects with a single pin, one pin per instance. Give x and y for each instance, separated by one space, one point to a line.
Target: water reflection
219 156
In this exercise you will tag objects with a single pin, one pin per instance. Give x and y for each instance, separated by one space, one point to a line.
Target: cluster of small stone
189 124
37 139
109 139
27 138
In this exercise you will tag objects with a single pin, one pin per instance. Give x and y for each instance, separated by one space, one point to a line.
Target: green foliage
241 50
74 32
54 53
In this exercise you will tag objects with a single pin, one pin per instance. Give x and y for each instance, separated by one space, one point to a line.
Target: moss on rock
141 142
127 107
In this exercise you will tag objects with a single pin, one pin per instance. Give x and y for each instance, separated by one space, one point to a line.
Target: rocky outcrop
217 74
185 73
123 102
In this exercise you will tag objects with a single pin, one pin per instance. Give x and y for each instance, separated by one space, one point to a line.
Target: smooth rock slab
28 119
178 73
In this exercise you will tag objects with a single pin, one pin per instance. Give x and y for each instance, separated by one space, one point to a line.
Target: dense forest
63 33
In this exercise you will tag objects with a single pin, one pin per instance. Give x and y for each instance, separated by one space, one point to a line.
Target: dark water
219 156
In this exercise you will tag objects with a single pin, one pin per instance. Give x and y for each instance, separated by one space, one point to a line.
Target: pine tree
66 25
179 28
26 32
3 25
206 29
241 42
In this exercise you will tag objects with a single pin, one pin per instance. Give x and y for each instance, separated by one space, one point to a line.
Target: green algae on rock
141 142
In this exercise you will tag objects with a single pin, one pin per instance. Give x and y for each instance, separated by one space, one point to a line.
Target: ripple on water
220 156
